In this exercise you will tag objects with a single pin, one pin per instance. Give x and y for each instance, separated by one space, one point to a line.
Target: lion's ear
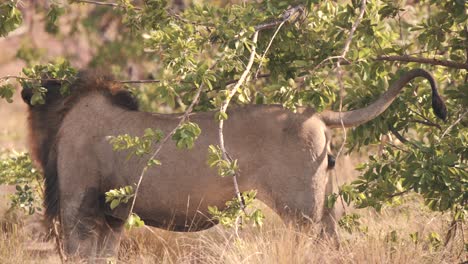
125 98
27 94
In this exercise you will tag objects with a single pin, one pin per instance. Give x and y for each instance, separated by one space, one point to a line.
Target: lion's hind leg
110 235
83 223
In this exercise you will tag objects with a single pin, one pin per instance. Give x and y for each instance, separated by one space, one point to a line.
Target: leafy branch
339 71
223 114
132 218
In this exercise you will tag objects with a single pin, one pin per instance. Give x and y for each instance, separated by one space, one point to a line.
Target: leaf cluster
36 75
138 146
115 197
10 17
186 134
18 169
233 213
225 167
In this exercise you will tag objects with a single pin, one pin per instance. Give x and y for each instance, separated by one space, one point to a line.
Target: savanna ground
407 233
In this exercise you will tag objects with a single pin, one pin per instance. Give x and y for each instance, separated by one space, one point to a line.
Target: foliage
17 169
35 75
7 91
186 134
10 17
134 220
138 146
233 213
351 223
117 196
225 167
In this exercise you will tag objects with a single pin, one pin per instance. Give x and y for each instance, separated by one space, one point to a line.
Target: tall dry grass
386 240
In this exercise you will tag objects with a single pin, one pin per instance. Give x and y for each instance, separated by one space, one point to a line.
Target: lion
284 155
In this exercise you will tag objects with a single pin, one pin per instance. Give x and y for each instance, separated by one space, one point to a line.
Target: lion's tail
51 194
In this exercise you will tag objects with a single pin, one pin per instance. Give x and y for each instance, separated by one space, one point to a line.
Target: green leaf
114 203
186 135
6 92
134 221
10 17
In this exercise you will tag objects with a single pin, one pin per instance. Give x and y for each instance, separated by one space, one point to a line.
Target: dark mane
44 122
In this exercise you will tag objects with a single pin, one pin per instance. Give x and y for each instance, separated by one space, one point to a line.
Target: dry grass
277 243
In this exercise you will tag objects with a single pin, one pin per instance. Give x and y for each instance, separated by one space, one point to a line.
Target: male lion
284 155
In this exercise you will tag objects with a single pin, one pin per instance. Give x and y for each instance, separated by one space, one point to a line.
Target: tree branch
446 63
427 123
340 80
398 135
140 81
453 124
223 108
168 136
264 75
267 48
115 5
398 193
340 73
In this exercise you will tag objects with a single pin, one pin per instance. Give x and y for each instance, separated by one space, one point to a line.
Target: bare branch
446 63
340 80
353 29
7 77
398 135
140 81
115 5
340 73
398 193
452 125
264 75
267 48
427 123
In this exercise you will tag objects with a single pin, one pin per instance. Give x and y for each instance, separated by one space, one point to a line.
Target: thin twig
7 77
452 125
398 135
264 75
161 144
399 193
427 123
115 5
267 48
140 81
340 74
446 63
340 81
223 108
340 57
